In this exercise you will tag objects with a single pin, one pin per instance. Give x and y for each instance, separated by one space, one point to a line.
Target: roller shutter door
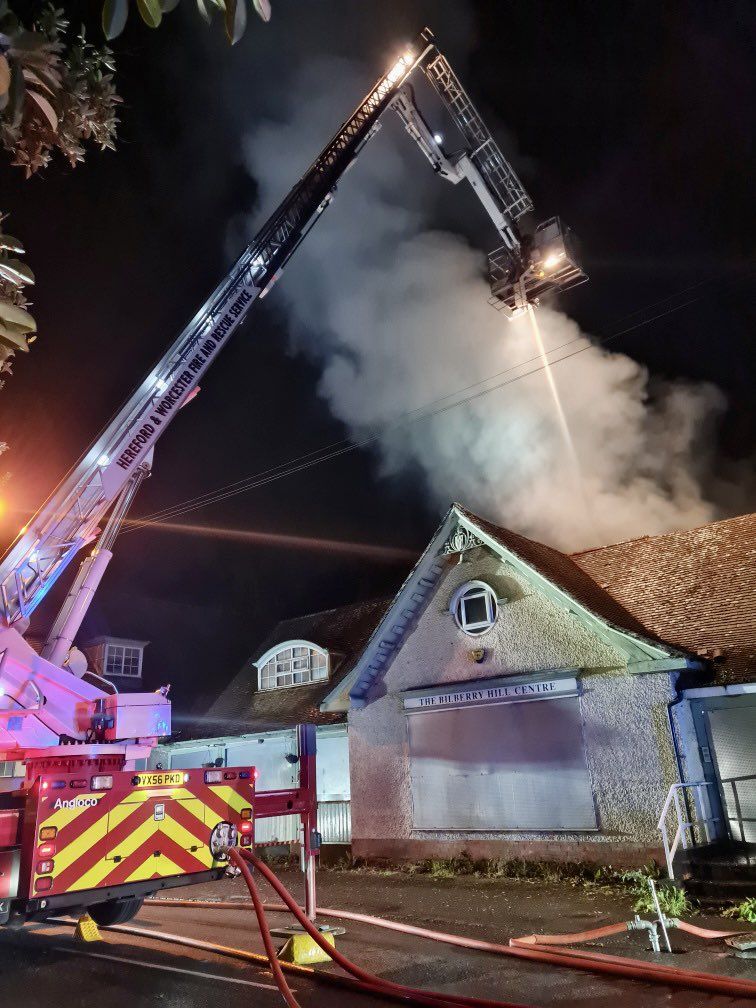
511 766
733 734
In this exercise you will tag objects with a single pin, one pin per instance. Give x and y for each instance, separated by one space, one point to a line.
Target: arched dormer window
294 663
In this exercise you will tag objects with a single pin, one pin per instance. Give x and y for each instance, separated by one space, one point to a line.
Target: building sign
494 693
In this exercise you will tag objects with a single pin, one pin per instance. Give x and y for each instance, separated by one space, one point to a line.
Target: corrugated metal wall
335 822
334 826
278 829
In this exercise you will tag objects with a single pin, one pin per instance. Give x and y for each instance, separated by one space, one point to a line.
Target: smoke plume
396 314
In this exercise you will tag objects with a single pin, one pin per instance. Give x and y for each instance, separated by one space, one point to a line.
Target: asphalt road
44 966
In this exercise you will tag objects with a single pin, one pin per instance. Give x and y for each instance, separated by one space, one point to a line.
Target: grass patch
442 868
745 911
463 866
673 901
630 883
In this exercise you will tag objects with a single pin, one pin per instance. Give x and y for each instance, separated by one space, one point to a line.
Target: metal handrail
90 676
739 818
684 834
20 711
742 777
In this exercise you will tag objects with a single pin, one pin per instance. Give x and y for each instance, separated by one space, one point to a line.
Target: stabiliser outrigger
79 826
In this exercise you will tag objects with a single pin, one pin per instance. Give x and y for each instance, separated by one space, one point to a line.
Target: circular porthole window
474 607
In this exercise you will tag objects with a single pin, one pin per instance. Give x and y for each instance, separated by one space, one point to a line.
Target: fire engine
80 826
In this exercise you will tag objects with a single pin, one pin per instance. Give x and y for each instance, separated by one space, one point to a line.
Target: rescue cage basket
550 264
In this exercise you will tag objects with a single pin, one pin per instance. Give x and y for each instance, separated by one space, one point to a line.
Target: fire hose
428 998
373 983
705 933
533 947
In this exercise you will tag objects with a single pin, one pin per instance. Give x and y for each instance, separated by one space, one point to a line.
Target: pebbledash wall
629 749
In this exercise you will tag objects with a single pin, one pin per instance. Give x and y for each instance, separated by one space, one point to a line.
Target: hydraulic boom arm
521 270
70 517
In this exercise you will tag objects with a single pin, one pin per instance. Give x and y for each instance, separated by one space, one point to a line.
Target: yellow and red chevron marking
129 833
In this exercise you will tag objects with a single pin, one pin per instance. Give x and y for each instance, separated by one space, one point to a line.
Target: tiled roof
562 571
694 589
241 707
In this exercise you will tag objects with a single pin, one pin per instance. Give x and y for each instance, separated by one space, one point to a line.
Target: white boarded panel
190 759
332 766
267 753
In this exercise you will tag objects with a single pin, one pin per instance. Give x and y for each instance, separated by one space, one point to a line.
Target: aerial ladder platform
69 742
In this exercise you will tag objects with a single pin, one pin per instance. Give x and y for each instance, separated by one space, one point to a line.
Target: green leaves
151 12
15 272
10 336
236 20
114 16
17 325
29 41
37 80
235 14
10 244
56 94
16 92
5 79
44 106
18 318
4 75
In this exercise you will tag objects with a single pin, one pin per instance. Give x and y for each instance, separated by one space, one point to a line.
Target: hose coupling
638 924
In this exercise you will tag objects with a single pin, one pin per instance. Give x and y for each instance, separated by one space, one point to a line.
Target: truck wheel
116 911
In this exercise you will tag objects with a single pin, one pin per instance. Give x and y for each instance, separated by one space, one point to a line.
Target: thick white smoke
397 315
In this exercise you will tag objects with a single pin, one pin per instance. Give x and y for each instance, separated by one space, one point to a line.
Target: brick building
511 700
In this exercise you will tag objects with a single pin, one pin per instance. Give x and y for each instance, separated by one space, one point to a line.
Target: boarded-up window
511 766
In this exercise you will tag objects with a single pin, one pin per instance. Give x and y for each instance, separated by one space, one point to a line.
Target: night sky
632 122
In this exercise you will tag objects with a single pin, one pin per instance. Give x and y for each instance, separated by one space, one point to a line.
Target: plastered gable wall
628 744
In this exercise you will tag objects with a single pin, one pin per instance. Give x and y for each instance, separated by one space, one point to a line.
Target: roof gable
554 572
562 573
